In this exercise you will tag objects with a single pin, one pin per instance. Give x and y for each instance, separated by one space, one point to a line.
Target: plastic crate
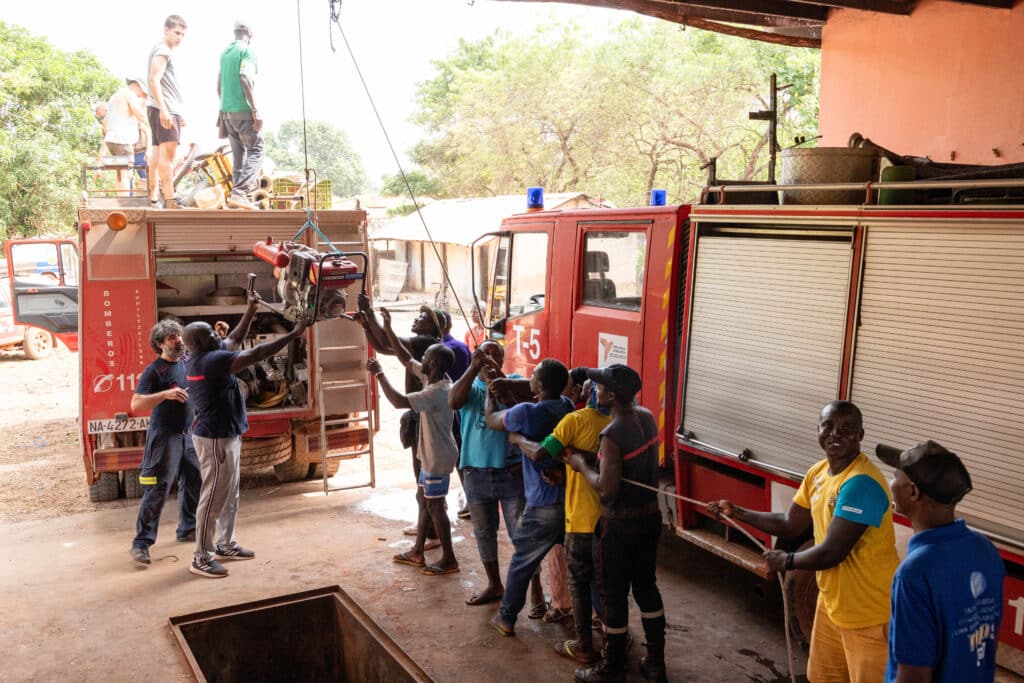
285 189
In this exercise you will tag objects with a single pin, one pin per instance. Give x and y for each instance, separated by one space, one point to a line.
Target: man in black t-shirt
630 524
217 430
169 452
426 331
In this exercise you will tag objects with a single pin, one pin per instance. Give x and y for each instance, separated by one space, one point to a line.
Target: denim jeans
246 152
167 456
540 529
486 489
579 559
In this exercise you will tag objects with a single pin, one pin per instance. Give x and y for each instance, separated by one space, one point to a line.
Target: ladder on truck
339 356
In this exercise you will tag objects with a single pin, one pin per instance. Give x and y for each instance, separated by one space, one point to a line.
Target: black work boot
653 665
601 672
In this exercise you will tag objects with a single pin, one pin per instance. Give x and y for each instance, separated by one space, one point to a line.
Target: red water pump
311 281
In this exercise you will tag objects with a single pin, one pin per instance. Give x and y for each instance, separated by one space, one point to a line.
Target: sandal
556 614
539 610
477 599
498 625
571 649
438 570
404 558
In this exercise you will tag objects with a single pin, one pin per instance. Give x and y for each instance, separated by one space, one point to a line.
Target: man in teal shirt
239 120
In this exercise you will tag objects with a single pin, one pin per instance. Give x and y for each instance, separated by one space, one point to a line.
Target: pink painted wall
947 78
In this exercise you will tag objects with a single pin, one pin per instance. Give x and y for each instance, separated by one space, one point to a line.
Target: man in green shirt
239 120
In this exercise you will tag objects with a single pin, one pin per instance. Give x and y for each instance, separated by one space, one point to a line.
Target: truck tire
801 590
260 453
291 470
316 469
37 344
132 487
105 488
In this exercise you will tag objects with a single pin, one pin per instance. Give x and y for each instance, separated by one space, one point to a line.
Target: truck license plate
130 424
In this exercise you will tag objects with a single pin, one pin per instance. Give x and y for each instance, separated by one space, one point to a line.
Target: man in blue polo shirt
542 525
217 430
947 595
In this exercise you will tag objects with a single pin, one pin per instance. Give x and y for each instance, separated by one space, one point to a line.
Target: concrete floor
75 607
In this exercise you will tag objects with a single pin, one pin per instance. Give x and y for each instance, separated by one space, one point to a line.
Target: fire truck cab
744 320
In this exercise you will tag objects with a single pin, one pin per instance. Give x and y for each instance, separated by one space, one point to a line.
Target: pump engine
308 278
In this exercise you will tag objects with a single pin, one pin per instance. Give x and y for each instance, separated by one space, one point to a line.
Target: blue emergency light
657 197
534 198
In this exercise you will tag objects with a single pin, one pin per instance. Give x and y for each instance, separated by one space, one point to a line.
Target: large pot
818 165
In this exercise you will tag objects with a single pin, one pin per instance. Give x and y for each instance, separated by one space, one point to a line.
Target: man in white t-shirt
124 116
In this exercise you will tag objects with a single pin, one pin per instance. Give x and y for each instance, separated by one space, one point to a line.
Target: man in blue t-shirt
217 430
947 595
493 474
169 452
542 524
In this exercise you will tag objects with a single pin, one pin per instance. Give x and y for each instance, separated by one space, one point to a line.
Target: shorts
161 134
120 150
140 163
434 486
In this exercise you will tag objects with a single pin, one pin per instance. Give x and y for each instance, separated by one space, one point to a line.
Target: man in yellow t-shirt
846 500
578 431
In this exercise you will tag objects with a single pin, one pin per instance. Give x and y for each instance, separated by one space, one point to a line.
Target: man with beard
169 452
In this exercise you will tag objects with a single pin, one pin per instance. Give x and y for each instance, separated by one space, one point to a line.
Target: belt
648 509
510 467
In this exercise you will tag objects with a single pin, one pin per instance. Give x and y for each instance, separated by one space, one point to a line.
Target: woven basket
817 165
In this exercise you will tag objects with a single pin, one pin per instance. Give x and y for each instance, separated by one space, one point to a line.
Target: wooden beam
997 4
676 11
902 7
778 8
754 34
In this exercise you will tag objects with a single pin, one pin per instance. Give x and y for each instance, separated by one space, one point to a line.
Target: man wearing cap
240 122
626 536
164 109
845 500
947 595
124 116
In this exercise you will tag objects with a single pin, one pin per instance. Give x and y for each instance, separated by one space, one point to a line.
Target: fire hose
733 523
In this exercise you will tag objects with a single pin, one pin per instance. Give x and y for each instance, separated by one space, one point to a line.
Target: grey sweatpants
218 498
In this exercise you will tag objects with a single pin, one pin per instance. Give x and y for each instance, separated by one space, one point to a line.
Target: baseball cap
140 81
935 470
621 379
241 25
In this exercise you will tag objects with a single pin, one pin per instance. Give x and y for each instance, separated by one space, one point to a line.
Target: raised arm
374 333
237 336
459 394
397 398
257 353
494 416
397 347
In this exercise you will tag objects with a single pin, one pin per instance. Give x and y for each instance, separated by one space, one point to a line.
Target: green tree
422 184
47 130
330 154
643 106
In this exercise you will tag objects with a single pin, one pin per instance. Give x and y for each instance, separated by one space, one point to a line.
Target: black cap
620 379
939 473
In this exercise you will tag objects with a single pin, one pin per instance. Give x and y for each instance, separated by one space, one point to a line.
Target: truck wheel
316 469
38 343
132 487
260 453
801 590
105 488
291 470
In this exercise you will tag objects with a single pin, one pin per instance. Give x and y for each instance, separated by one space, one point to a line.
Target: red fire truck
745 319
139 266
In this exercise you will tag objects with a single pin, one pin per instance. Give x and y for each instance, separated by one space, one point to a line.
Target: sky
394 42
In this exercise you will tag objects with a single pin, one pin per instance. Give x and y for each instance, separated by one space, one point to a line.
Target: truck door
517 292
608 321
44 284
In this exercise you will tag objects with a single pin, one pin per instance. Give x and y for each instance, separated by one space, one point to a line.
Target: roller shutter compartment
940 354
765 344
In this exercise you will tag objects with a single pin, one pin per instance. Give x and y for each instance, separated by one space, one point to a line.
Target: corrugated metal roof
461 221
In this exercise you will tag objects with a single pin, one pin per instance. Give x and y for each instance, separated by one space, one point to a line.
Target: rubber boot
653 665
611 669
